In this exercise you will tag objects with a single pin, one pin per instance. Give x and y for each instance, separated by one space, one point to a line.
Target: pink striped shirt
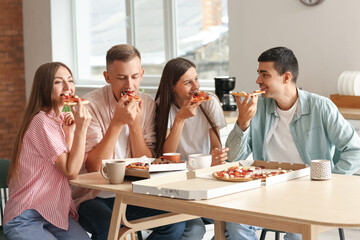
40 185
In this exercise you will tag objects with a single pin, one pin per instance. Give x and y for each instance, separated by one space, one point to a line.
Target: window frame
150 82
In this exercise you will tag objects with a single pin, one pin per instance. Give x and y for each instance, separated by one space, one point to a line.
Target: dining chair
4 168
277 234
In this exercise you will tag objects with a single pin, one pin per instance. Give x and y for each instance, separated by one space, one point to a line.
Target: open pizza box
200 184
298 170
155 170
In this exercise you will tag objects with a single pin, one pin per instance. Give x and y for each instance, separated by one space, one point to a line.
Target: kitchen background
324 39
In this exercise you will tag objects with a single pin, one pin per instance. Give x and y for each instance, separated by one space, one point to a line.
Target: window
161 30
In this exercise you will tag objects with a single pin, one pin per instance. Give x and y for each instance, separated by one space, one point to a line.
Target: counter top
231 116
348 113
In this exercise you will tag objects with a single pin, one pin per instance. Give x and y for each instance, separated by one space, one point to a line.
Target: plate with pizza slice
200 96
129 95
244 94
72 100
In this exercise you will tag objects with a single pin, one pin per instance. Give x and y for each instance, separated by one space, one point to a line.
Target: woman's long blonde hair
41 98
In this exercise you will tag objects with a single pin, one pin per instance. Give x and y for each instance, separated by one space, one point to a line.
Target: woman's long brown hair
41 98
171 74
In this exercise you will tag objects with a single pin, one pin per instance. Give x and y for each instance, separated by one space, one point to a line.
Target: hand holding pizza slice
72 100
244 94
129 95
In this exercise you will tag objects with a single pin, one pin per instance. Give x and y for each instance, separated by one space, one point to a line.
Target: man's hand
139 115
219 156
125 112
247 109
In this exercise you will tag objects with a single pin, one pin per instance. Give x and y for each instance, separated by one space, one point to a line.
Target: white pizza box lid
193 185
200 184
299 170
155 170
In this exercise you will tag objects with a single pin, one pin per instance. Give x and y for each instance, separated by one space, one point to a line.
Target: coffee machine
223 86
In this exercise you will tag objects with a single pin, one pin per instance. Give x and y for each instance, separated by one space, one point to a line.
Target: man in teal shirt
287 124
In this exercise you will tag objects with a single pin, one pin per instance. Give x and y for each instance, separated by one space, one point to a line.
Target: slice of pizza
200 96
244 94
138 165
235 174
71 100
129 95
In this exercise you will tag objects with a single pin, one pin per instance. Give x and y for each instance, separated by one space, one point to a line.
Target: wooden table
298 206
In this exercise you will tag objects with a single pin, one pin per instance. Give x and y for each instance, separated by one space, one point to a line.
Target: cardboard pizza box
192 185
299 170
200 184
155 170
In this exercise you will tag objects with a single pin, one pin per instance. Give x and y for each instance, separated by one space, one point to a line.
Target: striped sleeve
48 137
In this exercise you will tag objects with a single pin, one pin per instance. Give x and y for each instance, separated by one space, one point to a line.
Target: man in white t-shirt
287 124
119 129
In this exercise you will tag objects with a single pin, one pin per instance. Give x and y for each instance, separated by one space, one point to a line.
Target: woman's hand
69 123
219 156
81 115
188 110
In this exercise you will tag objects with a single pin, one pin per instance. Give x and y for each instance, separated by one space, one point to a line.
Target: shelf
346 101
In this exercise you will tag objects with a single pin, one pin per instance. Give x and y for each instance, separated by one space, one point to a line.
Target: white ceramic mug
115 171
320 169
198 161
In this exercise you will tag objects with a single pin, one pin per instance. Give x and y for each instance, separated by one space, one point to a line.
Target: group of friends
285 124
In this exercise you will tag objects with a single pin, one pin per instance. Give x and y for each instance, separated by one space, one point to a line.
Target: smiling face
63 84
124 76
270 81
185 88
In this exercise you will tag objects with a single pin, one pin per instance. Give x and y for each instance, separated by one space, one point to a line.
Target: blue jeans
95 217
30 225
236 231
194 230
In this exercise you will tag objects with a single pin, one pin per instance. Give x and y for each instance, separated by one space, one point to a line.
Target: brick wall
211 13
12 80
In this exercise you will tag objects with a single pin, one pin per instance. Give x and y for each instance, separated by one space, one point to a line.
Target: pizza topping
69 99
129 95
242 173
200 96
146 165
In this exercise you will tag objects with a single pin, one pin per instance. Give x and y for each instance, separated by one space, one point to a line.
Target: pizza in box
249 173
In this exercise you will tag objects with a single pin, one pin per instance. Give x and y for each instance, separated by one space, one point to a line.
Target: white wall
42 45
325 39
37 38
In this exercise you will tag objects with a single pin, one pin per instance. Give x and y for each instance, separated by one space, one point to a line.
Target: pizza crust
244 94
229 179
245 174
75 103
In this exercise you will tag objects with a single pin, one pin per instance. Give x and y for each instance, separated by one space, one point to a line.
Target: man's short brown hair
121 52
